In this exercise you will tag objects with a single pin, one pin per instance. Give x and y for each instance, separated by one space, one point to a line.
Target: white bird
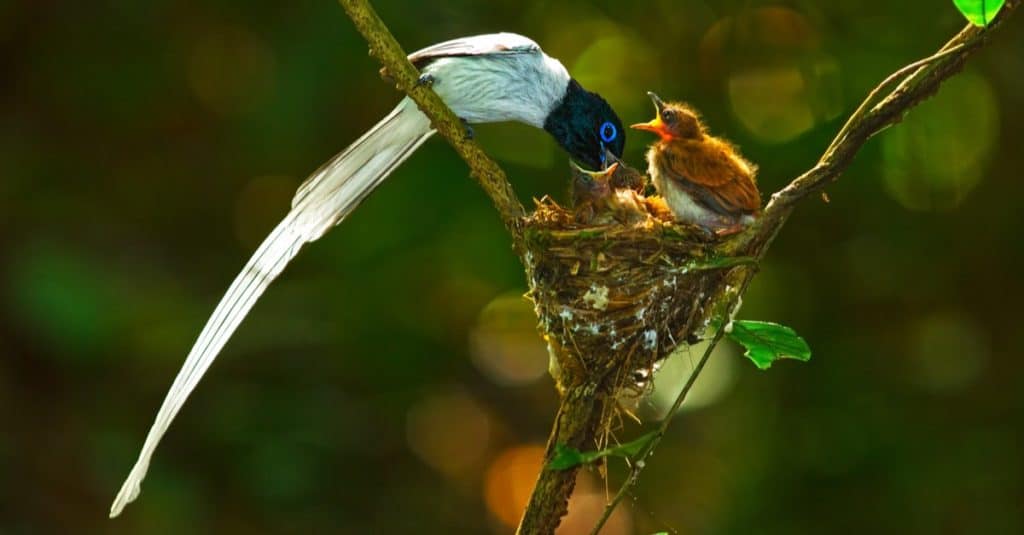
483 79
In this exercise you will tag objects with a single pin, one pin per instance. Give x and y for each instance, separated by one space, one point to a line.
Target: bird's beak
655 125
596 175
610 170
610 158
658 103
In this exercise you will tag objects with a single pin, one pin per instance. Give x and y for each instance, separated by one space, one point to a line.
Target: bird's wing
715 175
492 43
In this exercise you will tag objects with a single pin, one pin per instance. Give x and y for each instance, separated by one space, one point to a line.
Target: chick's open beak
655 125
597 175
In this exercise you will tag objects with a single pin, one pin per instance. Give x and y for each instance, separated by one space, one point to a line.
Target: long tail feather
324 200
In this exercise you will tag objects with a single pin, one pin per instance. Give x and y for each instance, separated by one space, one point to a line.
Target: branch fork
652 302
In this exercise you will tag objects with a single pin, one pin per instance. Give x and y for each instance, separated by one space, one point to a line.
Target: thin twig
386 49
905 71
916 87
638 462
920 80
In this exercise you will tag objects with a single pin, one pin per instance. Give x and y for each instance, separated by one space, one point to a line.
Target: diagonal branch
918 81
487 173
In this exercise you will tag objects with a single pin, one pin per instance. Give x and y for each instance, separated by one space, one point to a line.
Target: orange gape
703 179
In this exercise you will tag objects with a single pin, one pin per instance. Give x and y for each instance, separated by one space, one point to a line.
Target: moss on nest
615 299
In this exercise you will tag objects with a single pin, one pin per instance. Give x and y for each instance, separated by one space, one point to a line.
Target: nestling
597 201
703 179
624 176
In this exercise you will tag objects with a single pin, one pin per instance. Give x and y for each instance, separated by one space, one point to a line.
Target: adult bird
703 179
483 79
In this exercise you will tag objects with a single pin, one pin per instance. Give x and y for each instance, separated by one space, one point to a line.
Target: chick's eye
667 115
608 132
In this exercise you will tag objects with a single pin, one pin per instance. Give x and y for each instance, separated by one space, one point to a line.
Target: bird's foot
426 80
470 134
736 228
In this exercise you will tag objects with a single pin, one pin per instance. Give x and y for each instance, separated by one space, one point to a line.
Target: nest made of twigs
615 299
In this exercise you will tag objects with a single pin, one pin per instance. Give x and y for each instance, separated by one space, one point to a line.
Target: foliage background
392 380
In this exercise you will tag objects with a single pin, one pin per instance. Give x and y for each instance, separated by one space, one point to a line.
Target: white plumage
488 78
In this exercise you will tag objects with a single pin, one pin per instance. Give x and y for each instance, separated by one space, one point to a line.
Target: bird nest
613 300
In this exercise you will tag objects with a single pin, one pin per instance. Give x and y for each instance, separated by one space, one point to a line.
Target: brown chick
703 179
598 202
624 176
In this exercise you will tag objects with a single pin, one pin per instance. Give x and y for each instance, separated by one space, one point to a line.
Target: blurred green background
392 380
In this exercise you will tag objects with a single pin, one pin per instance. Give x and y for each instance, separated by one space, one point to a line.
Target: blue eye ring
608 132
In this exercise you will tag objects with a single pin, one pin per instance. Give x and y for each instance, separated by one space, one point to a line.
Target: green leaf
565 457
767 342
979 12
568 456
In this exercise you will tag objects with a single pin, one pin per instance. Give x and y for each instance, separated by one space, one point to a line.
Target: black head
585 125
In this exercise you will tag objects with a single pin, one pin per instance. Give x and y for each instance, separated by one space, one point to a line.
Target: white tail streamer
324 200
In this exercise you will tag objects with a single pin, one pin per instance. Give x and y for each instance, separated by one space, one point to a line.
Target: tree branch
920 80
486 171
637 463
917 81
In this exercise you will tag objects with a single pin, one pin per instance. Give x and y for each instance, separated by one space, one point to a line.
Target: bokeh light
505 345
449 431
940 152
948 351
779 81
585 508
713 383
618 66
393 379
509 481
604 55
771 103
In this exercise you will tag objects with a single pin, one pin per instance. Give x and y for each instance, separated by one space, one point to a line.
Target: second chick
597 201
